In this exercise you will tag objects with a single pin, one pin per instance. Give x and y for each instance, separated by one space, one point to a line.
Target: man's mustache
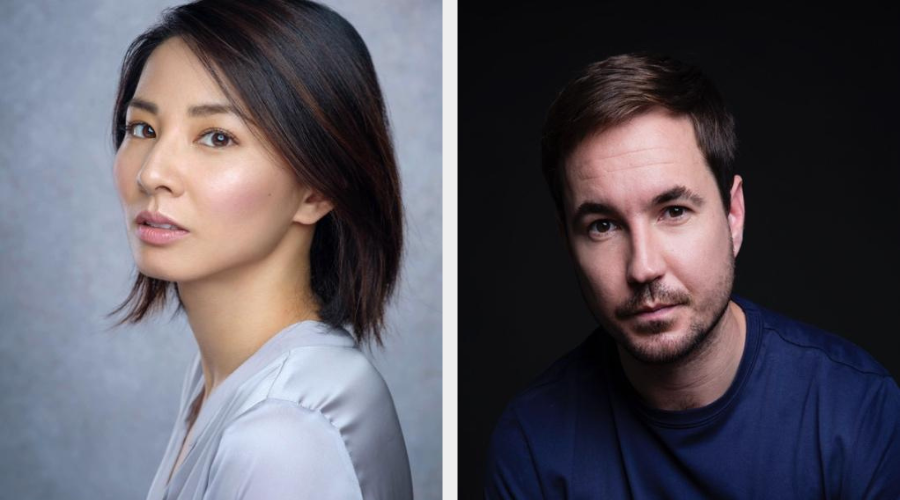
653 294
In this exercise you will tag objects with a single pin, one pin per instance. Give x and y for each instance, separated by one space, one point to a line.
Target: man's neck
698 380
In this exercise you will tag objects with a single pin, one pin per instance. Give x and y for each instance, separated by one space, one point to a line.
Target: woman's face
187 156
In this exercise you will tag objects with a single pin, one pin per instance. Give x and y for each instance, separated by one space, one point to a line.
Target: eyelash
129 129
667 210
215 131
684 211
590 228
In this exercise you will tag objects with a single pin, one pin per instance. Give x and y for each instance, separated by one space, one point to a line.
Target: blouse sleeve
281 450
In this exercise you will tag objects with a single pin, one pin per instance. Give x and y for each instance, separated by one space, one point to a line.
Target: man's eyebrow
679 193
592 208
194 111
676 193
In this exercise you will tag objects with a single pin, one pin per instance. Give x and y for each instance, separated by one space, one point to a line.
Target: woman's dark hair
610 92
299 73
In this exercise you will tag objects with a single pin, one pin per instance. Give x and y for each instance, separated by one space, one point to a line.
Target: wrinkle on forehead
587 171
652 137
623 153
637 160
586 163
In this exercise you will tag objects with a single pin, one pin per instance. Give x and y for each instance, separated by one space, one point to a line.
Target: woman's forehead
174 74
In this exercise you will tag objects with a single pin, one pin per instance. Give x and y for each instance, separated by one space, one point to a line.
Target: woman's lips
159 236
155 219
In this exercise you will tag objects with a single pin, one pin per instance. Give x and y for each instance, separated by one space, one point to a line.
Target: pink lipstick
157 229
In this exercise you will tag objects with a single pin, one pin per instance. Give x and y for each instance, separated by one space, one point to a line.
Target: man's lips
653 311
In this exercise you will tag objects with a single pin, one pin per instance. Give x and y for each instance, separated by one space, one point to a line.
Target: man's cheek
595 280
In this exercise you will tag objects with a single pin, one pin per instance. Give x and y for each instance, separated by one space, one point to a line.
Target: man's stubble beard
699 336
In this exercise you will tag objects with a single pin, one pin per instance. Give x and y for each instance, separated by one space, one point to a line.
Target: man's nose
646 262
159 170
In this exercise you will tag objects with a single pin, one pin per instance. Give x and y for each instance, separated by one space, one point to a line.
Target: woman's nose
159 170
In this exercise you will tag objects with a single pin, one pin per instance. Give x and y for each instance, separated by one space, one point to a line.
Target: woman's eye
217 139
140 130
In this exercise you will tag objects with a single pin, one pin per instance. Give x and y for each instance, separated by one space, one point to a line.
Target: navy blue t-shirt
808 415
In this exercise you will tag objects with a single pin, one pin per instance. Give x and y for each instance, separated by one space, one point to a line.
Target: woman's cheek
240 196
124 174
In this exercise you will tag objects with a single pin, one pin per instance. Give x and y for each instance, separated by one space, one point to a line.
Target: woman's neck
234 313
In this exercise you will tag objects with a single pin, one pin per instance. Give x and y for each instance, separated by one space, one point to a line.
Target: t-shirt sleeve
281 450
511 471
874 471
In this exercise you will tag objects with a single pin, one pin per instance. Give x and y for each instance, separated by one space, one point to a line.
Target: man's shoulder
538 428
799 340
555 393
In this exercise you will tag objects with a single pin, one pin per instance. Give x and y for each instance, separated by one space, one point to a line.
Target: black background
816 106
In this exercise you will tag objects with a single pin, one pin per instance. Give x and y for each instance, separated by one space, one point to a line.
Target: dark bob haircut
301 75
610 92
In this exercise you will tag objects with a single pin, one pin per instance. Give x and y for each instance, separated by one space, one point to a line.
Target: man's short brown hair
612 91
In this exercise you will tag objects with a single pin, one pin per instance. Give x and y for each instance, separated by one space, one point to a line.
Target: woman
258 180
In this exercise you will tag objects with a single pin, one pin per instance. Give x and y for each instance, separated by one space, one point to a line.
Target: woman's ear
313 206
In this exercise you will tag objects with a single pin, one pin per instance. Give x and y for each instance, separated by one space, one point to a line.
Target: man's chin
659 344
652 327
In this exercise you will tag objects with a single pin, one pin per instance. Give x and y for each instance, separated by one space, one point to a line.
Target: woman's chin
156 273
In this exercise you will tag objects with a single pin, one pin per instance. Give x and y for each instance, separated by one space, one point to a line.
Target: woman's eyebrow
142 104
198 110
211 109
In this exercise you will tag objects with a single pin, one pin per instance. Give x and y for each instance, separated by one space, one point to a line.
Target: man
684 391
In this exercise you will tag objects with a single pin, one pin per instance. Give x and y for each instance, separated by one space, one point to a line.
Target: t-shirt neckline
696 416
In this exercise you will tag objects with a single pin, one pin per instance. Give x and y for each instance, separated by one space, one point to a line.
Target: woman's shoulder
279 446
316 365
332 398
330 378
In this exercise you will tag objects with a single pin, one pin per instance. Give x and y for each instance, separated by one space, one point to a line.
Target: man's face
652 243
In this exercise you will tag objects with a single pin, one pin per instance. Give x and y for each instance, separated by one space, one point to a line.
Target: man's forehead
644 155
652 136
589 166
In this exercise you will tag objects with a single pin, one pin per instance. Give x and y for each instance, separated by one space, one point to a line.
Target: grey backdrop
85 412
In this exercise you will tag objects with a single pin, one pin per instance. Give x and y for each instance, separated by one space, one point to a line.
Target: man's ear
736 214
313 206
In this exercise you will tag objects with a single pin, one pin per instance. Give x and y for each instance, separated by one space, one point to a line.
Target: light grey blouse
306 416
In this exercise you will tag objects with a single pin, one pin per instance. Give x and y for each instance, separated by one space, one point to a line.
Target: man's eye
217 139
601 226
675 212
140 130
